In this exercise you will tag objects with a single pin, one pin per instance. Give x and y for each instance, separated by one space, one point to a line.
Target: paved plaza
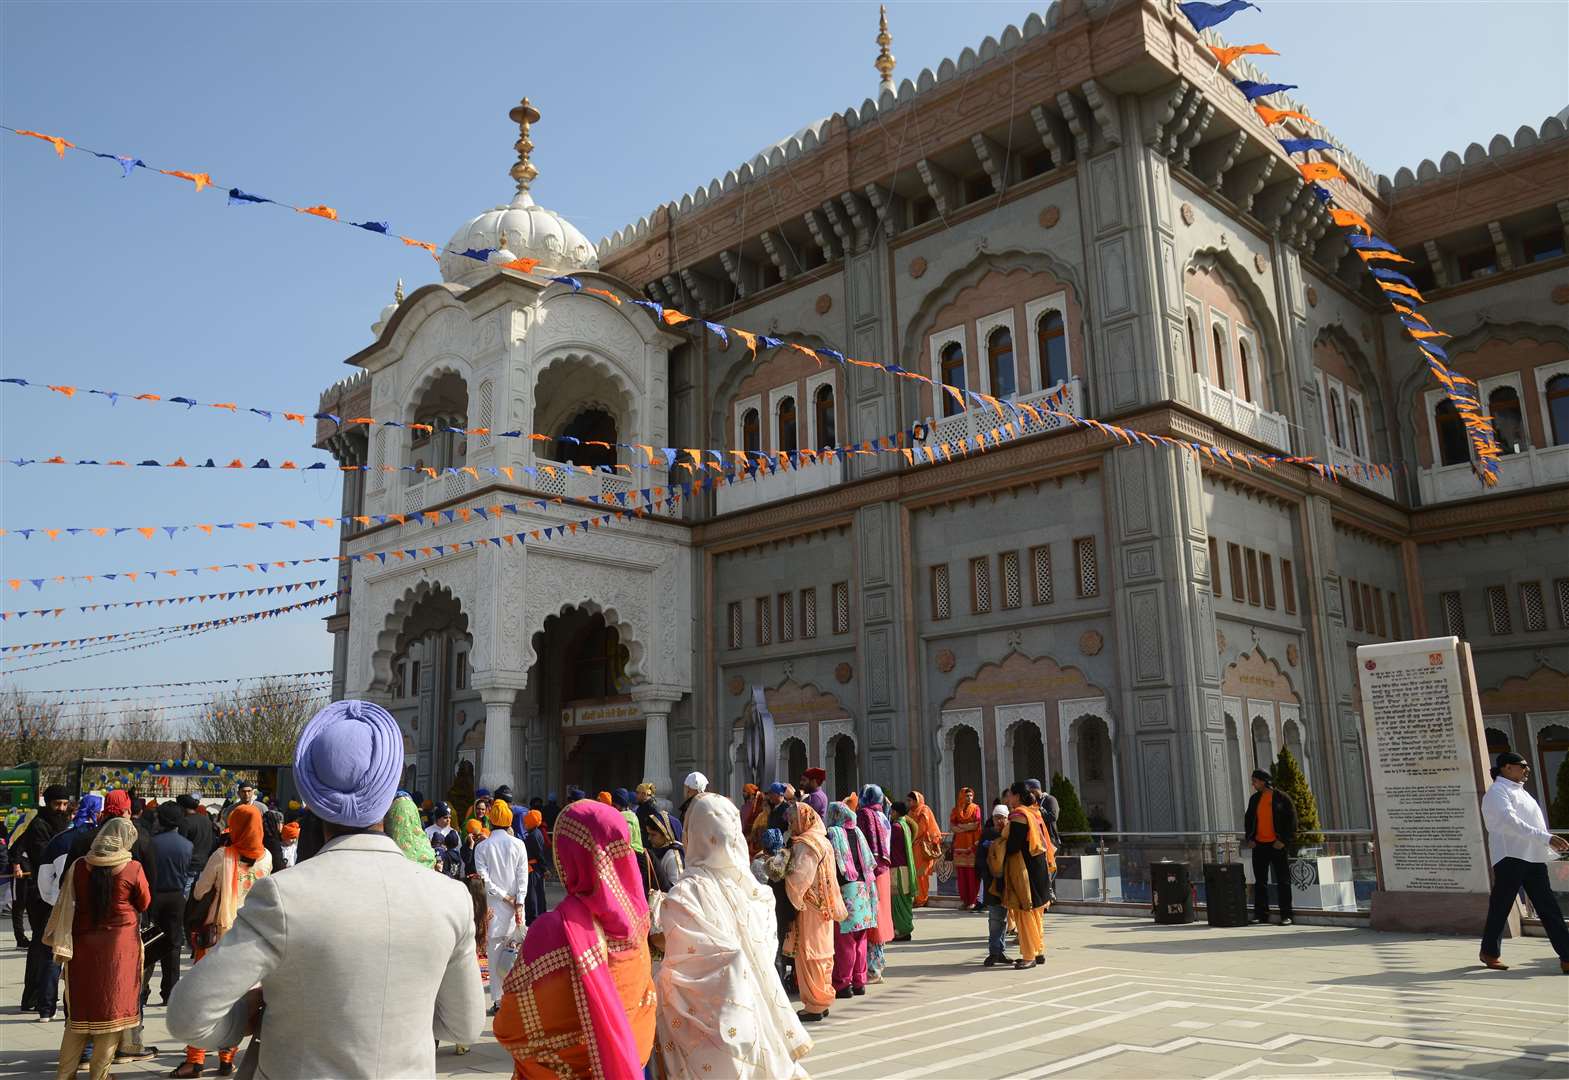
1122 997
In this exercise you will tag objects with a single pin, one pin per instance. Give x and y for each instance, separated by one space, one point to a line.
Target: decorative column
656 702
497 766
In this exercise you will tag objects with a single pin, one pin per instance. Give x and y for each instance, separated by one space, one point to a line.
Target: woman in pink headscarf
580 1001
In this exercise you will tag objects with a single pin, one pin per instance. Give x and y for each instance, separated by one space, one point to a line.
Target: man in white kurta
501 861
722 1009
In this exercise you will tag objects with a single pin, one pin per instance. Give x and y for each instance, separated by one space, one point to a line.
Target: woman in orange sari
928 844
965 822
813 887
580 1001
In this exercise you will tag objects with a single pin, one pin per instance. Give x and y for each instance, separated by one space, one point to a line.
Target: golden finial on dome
397 294
501 241
885 59
524 114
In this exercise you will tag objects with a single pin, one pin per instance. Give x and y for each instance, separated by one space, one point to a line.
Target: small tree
1071 817
1558 809
1290 781
258 725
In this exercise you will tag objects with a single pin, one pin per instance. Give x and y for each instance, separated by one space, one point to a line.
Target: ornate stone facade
1148 624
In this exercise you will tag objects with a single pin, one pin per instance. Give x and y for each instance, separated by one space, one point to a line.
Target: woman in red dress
93 932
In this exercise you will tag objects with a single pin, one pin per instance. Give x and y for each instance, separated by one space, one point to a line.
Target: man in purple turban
326 923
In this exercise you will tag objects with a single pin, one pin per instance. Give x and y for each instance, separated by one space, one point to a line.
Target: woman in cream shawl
722 1011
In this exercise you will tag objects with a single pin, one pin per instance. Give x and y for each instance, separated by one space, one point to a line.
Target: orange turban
476 827
501 814
533 820
291 832
604 797
245 831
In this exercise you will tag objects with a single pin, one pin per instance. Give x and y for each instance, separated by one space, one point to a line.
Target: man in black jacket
196 827
996 914
52 820
1271 824
172 852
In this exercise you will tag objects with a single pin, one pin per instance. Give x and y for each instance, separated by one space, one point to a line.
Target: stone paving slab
1121 997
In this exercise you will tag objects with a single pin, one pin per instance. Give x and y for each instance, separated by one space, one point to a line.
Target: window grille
842 608
1498 610
1454 614
942 601
1040 570
735 625
1533 613
808 613
786 617
765 629
1012 585
981 585
1288 587
1089 571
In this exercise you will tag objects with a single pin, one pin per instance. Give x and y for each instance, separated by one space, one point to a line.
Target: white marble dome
533 232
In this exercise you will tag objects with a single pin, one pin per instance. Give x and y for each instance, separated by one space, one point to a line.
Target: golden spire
397 294
524 114
885 60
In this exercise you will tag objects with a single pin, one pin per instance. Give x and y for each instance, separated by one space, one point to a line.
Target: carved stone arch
1255 675
743 366
1508 333
1372 387
611 387
426 377
921 323
388 639
631 636
1224 262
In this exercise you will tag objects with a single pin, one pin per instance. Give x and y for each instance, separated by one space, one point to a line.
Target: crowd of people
684 933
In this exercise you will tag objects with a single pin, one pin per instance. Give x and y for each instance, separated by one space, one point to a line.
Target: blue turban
773 839
776 788
348 761
872 796
622 796
88 809
482 793
575 793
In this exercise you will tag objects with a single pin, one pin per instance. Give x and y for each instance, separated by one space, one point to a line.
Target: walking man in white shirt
1521 848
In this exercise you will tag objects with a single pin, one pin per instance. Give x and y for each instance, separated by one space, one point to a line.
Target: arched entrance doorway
843 771
1095 786
1026 751
792 759
1263 752
967 770
1239 787
580 671
431 692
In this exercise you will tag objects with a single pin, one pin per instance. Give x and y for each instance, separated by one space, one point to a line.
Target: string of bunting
667 497
218 776
164 601
165 701
38 647
752 340
185 682
202 181
1398 289
102 652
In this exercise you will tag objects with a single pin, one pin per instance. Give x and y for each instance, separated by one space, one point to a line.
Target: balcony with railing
1065 397
762 487
428 491
572 482
1359 471
1244 417
1527 468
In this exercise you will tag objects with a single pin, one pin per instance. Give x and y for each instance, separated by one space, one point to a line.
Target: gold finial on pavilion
397 294
885 60
524 114
501 241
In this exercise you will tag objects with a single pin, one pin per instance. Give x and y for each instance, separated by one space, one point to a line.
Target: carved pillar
656 703
496 768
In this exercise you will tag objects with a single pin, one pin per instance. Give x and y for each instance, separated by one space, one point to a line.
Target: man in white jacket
501 861
1521 848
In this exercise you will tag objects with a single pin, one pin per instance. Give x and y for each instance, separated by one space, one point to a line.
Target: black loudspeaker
1172 892
1227 893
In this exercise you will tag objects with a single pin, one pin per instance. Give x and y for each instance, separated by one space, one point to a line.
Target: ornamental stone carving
1091 642
1049 217
1186 211
1220 641
1312 296
945 660
843 673
1258 263
917 266
1291 653
735 685
1561 294
825 304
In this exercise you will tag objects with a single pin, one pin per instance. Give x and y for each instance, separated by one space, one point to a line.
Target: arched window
1336 421
951 361
751 432
1220 356
1247 368
1193 343
786 413
1558 409
1503 405
1354 426
999 362
1052 337
823 409
1454 448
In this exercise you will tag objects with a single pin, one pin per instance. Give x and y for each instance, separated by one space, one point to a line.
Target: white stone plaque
1422 750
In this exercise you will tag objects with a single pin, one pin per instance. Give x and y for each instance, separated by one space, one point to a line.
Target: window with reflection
823 407
1220 356
786 413
1246 358
951 364
1453 446
751 432
1503 405
1354 424
1193 343
1557 389
999 363
1336 423
1052 337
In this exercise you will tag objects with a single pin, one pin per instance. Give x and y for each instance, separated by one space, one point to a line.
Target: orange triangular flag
200 179
320 211
1225 54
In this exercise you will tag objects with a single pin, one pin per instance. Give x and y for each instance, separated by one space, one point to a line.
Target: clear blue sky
397 111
